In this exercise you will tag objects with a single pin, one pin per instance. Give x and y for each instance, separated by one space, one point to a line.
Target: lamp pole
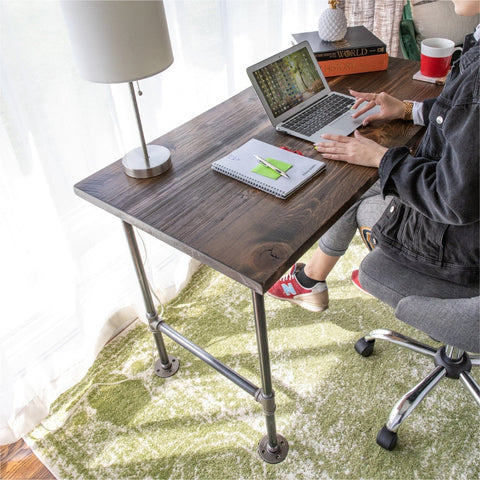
139 123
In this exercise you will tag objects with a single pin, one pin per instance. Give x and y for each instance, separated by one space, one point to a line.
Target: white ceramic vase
332 24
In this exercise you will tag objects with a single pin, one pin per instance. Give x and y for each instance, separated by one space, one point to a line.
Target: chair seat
451 321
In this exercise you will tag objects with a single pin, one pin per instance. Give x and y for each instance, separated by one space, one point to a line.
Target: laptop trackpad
345 125
346 122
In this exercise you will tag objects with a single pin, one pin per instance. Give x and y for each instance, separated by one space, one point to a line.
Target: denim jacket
432 223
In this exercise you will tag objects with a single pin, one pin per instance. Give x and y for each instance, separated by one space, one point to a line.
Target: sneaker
288 288
356 282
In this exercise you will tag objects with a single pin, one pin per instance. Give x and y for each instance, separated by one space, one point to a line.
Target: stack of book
359 52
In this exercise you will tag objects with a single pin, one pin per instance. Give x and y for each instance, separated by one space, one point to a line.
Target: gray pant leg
363 215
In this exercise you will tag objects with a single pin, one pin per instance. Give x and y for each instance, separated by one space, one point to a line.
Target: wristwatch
408 106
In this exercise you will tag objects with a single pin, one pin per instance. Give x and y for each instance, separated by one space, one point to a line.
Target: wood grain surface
18 462
246 234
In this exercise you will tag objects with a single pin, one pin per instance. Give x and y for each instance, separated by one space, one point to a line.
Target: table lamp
122 41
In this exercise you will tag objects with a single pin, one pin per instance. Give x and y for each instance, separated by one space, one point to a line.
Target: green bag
408 43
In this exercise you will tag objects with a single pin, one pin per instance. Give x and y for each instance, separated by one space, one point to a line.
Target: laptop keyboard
319 114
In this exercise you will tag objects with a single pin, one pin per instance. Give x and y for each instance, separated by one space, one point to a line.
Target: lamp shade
118 41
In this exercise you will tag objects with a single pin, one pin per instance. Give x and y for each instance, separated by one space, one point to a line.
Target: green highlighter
271 168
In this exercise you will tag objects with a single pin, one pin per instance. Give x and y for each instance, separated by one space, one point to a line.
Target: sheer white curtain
67 284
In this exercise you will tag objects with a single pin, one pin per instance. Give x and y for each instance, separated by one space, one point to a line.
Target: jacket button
392 208
439 120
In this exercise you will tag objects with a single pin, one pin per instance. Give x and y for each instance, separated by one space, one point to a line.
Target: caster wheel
364 347
387 439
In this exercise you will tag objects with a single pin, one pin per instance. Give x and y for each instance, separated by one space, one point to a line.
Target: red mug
436 55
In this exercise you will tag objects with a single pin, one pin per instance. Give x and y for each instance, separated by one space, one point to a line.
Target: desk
250 236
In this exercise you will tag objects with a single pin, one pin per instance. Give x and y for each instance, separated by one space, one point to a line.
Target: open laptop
297 98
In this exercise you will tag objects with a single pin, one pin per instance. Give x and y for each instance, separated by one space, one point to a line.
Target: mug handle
456 49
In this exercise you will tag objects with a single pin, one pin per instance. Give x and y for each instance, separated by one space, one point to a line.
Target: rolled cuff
388 164
417 113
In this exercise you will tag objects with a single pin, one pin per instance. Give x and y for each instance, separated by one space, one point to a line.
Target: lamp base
136 166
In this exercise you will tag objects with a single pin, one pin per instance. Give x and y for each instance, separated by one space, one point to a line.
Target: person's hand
358 150
390 107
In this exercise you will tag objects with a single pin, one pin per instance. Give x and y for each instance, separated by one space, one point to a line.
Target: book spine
350 53
347 66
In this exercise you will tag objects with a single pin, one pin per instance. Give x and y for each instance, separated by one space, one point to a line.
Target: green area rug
123 422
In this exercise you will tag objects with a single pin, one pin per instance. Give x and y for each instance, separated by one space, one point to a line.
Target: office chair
455 323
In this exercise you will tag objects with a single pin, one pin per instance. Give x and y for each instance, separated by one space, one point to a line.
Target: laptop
297 98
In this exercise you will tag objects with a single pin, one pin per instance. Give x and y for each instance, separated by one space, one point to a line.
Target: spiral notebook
242 165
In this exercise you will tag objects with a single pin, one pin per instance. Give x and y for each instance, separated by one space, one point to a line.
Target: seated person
425 207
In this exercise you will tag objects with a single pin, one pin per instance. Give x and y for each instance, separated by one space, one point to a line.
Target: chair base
449 362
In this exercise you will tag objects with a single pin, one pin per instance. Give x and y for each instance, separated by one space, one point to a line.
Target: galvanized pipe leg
273 448
167 365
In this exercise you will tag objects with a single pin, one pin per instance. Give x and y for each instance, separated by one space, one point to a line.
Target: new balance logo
288 289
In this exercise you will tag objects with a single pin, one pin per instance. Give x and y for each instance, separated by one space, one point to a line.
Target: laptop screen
289 81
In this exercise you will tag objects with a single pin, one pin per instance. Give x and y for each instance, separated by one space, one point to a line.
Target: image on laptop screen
289 81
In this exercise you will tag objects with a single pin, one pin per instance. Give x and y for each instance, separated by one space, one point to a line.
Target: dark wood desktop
248 235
